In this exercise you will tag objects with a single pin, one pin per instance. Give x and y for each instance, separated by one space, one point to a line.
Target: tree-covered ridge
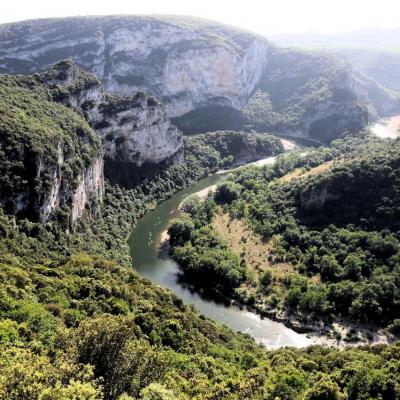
297 85
74 323
236 147
343 264
363 191
39 139
65 79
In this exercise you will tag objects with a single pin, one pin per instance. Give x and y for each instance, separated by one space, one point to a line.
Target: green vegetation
203 256
237 147
300 93
295 86
343 250
35 134
77 322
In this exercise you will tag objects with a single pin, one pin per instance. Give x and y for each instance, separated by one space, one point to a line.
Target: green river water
156 265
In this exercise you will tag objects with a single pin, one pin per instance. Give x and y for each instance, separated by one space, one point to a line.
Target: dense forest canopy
331 222
97 330
78 322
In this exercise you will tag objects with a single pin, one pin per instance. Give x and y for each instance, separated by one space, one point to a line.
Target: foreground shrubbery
81 326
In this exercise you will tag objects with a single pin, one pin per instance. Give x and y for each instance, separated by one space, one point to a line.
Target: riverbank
155 264
242 240
387 127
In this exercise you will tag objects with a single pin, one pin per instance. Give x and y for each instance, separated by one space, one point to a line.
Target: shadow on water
155 264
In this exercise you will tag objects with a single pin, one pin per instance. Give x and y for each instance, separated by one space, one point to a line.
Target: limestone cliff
134 130
51 163
208 75
186 62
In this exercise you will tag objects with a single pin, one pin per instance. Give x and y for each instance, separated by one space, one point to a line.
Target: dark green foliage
203 256
76 322
208 262
364 192
210 118
180 231
350 241
35 133
295 86
236 147
96 330
227 192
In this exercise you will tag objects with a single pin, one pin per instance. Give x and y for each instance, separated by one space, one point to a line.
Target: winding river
155 264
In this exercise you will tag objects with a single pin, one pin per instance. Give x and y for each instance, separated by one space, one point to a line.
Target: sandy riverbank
387 128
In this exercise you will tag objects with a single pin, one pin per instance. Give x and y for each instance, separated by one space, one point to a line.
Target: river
154 264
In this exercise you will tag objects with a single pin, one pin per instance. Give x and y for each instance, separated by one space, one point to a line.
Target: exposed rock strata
134 130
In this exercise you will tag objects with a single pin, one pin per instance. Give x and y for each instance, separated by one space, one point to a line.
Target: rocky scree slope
205 73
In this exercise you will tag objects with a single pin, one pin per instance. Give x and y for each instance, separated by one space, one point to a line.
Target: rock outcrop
206 74
51 161
137 130
186 62
134 130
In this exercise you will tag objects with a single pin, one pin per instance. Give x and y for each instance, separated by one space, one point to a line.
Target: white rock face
140 132
133 129
190 64
89 189
186 62
83 198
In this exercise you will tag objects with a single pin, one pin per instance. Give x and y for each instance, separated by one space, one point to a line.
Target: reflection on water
155 265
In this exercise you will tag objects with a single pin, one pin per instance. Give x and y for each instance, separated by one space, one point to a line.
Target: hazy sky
262 16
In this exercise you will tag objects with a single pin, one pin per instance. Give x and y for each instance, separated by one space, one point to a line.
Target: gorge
180 59
108 125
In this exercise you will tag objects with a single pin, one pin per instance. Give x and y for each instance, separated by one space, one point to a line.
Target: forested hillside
312 239
80 325
329 224
46 152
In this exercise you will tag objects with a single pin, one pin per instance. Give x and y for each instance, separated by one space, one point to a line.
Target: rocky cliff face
82 197
134 130
138 130
206 74
51 161
186 62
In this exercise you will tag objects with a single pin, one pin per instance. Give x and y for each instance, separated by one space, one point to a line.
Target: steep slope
307 92
185 61
363 191
138 137
204 72
380 65
330 230
50 159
